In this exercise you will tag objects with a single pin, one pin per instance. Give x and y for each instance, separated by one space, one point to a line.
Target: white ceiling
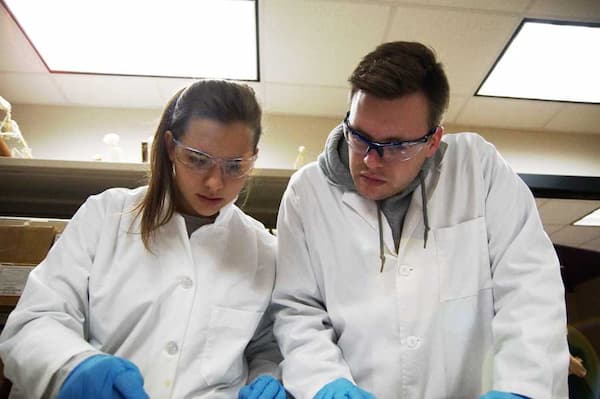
308 49
558 215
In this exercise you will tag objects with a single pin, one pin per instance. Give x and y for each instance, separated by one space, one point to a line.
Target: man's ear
435 141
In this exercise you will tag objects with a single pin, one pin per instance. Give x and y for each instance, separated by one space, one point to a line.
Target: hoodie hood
334 162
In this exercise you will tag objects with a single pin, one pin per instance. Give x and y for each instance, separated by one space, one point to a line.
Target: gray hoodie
334 162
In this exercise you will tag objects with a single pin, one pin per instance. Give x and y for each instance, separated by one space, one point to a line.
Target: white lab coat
188 315
480 307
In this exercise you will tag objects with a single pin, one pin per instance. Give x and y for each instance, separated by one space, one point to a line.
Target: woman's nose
214 178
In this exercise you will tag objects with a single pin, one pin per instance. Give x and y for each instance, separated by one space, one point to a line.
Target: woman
161 291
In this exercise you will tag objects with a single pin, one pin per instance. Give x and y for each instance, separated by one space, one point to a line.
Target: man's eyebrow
384 141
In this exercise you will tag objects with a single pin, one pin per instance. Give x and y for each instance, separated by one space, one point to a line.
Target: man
411 265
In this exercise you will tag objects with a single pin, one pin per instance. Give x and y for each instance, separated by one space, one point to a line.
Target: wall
550 153
75 133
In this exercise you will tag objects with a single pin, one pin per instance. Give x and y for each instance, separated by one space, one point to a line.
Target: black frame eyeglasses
389 151
201 162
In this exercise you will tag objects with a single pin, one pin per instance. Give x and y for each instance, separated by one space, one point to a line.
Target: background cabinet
55 189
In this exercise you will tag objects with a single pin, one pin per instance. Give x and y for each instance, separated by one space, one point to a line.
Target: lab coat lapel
224 216
414 217
367 210
174 235
363 207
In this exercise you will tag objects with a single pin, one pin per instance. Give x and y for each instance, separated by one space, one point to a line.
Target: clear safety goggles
389 151
202 162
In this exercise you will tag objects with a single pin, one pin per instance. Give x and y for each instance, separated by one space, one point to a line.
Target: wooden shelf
55 189
8 302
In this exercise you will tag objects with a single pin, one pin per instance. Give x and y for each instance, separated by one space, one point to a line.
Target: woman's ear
169 145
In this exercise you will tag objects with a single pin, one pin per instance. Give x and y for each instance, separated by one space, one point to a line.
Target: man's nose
372 158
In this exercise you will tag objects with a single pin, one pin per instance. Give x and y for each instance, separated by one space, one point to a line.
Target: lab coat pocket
463 258
228 334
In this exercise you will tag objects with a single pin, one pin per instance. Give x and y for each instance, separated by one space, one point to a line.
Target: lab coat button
413 342
185 282
172 348
405 270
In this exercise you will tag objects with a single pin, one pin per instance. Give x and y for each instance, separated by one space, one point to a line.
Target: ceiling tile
168 87
16 53
552 228
317 42
303 100
466 42
508 113
30 88
505 5
574 236
566 211
579 9
259 91
110 91
593 245
456 104
581 118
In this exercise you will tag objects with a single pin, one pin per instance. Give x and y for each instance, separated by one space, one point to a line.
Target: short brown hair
396 69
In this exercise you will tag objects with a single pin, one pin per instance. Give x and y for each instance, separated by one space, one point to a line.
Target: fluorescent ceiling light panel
174 38
548 61
593 219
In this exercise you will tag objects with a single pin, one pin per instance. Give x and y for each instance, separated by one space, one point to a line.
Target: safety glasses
202 162
389 151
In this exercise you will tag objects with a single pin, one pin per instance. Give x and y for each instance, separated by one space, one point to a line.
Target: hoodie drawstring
381 255
425 218
425 222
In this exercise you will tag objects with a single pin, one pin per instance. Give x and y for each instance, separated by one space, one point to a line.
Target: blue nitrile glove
263 387
341 386
104 377
502 395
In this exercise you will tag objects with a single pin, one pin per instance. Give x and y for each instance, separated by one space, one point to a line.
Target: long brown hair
219 100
